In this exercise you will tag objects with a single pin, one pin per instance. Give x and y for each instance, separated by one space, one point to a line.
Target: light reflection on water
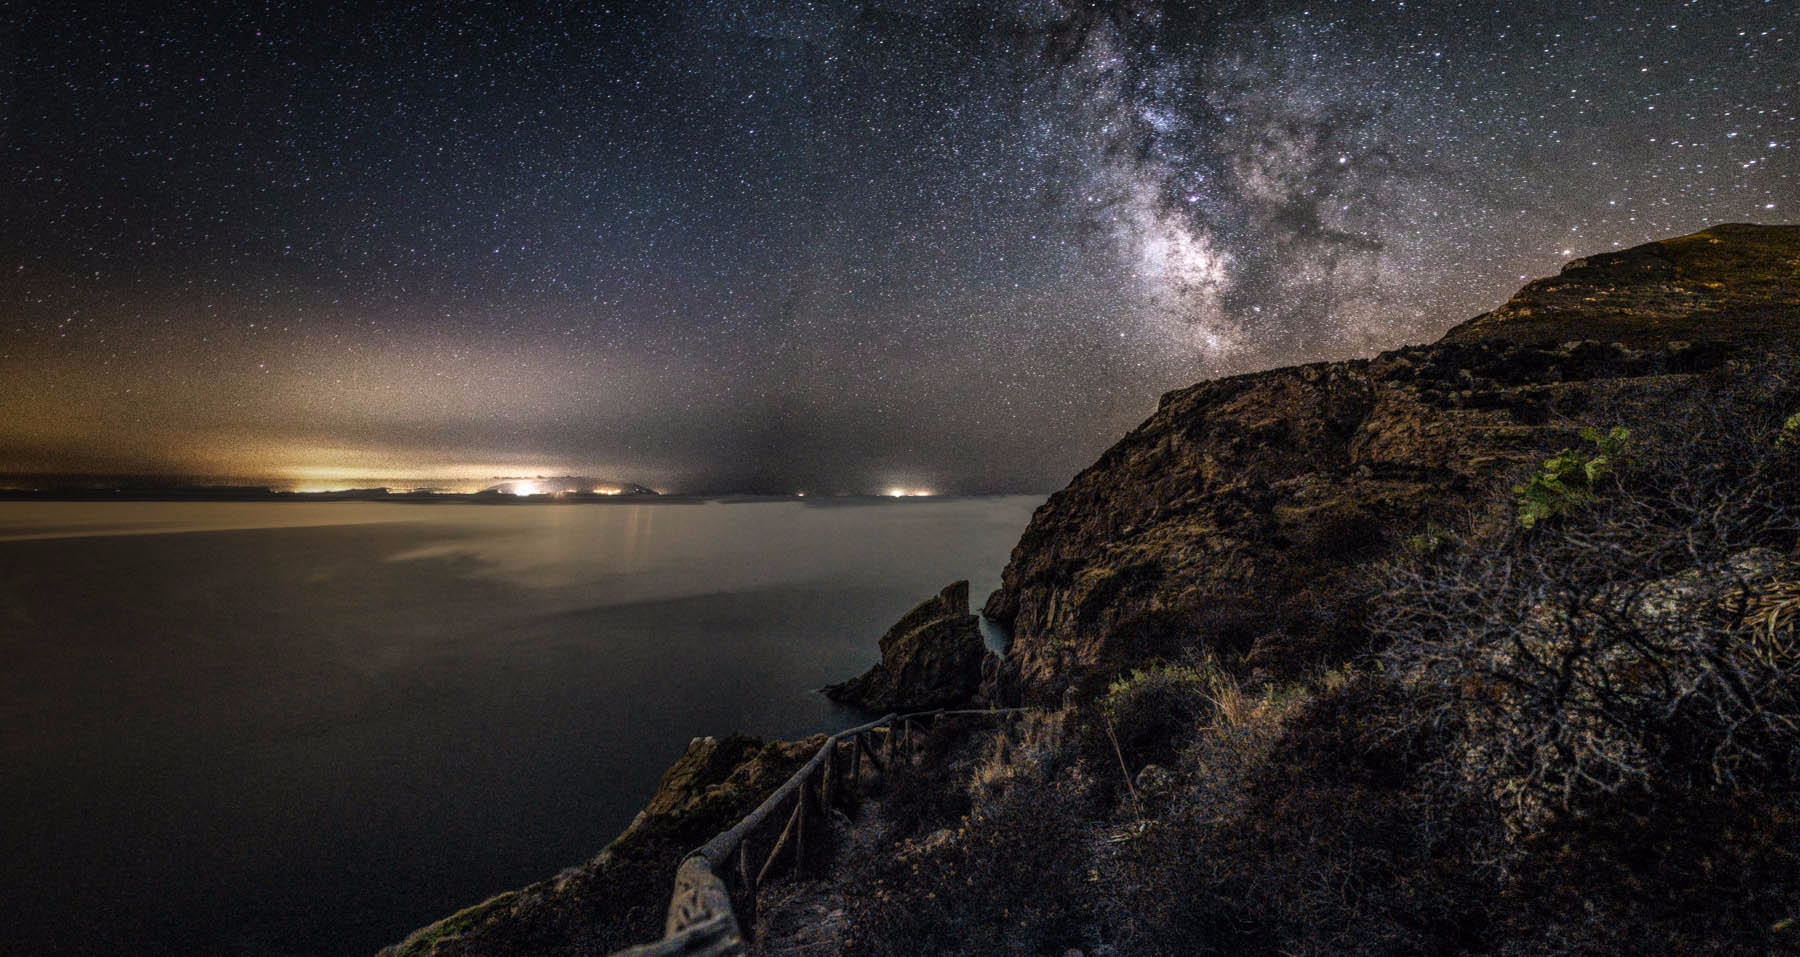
309 727
620 553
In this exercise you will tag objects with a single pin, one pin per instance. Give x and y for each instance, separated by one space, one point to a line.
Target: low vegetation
1571 478
1574 727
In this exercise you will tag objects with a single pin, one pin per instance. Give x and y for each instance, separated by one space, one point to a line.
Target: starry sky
786 245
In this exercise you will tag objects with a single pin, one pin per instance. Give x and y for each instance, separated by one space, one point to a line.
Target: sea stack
930 658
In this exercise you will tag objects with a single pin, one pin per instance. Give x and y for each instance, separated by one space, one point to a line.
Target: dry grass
1580 739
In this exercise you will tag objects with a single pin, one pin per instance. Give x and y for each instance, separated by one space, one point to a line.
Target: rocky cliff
1237 516
931 658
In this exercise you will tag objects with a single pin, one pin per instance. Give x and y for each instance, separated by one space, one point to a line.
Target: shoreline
264 494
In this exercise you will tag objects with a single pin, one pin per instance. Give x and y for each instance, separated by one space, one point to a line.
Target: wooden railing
702 917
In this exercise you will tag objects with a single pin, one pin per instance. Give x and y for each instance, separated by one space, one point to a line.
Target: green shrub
1432 540
1790 431
1187 684
1571 477
1150 711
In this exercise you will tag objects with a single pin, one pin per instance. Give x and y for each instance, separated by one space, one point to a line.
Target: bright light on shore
909 493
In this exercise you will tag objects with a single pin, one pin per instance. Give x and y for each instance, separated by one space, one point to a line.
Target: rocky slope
619 898
1237 516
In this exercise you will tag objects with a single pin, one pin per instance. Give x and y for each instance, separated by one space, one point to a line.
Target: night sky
787 245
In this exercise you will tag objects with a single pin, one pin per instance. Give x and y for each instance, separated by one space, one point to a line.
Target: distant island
504 491
562 490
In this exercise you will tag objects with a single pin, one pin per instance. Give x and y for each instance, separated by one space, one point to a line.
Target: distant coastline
263 493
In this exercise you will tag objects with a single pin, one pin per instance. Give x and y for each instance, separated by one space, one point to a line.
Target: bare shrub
1580 737
926 791
1009 876
1628 645
1299 829
1619 686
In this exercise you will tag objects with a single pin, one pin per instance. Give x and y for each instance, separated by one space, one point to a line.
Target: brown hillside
1242 509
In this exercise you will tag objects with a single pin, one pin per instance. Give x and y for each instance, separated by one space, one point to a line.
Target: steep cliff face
1238 516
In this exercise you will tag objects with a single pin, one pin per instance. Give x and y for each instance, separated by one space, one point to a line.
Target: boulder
931 658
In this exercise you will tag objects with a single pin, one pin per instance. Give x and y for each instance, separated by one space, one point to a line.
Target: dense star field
787 245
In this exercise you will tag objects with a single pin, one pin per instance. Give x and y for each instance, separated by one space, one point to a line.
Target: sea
309 728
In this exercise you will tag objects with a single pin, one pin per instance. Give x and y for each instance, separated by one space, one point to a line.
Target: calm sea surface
307 728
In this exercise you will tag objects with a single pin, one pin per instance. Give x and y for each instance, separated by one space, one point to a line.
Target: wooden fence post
801 809
873 760
780 842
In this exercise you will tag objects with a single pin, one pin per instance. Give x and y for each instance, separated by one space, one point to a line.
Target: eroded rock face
931 658
1240 515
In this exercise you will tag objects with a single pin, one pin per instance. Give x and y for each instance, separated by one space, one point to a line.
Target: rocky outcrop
931 658
619 898
1734 281
1238 517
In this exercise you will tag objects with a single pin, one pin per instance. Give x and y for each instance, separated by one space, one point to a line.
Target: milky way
804 245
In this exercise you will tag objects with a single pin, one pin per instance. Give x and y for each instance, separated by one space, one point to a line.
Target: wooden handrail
702 919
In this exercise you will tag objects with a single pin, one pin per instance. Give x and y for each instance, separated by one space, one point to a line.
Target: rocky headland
1303 682
1239 513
